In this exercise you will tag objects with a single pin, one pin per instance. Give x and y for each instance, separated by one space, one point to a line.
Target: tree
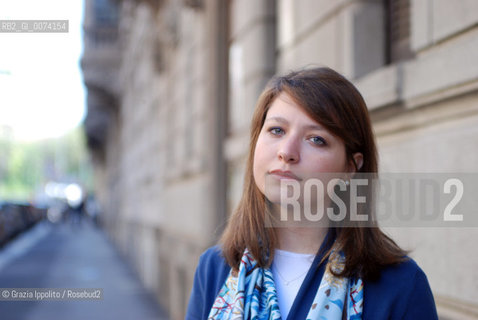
26 166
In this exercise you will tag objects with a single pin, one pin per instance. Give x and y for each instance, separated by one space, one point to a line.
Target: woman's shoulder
212 255
211 273
404 272
402 291
212 264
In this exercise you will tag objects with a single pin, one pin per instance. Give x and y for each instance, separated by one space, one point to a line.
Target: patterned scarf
251 294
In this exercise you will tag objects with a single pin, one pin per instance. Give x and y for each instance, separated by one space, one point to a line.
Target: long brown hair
329 98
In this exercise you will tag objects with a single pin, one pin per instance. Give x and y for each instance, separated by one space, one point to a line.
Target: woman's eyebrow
283 120
278 119
314 127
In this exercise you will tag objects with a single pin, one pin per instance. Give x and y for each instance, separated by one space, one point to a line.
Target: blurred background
124 177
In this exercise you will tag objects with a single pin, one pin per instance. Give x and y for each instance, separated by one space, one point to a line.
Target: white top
289 270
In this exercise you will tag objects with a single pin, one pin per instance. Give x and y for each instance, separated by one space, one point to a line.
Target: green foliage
26 167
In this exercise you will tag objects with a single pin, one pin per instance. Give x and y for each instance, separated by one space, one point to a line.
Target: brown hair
329 98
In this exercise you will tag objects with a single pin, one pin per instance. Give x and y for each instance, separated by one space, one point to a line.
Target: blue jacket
402 292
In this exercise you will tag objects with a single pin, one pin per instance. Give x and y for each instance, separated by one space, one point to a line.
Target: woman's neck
301 239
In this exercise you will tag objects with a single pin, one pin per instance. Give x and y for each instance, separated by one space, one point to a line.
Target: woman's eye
276 131
318 141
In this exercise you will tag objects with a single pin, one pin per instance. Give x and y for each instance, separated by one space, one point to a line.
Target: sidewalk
66 256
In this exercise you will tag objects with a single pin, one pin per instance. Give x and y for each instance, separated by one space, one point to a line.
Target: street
72 256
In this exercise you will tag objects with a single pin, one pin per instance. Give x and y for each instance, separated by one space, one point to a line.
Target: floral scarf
251 294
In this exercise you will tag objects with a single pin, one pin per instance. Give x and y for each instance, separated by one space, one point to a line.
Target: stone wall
178 106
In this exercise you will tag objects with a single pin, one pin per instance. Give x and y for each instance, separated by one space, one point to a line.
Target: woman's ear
358 159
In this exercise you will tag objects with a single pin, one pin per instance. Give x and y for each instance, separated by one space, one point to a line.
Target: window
397 23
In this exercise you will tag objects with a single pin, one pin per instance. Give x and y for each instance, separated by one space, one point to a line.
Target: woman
307 124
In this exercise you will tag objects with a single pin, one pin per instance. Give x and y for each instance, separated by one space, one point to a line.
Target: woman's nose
289 151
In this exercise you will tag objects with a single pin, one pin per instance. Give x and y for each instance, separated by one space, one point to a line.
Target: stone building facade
171 89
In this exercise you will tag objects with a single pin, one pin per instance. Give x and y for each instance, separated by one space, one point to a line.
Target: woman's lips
284 174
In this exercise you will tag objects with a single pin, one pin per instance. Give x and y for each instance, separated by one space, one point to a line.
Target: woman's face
293 146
